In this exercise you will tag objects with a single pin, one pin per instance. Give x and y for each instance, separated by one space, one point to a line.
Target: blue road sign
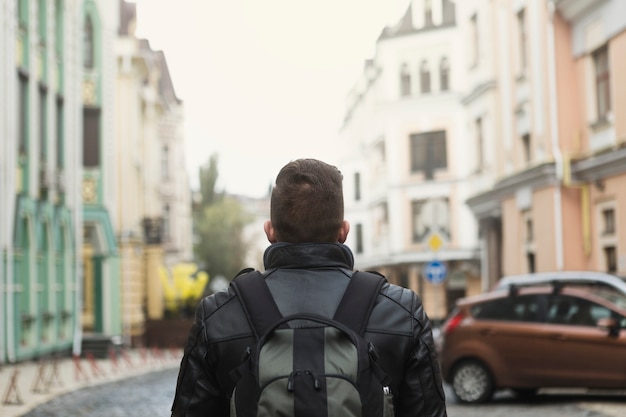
435 272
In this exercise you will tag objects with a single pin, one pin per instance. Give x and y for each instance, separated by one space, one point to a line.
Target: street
151 395
148 395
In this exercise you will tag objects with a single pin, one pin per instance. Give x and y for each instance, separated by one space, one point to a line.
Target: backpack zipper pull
316 381
290 381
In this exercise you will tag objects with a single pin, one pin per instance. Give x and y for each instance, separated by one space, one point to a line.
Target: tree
219 222
208 179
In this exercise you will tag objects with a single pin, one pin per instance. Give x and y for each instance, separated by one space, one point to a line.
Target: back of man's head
307 202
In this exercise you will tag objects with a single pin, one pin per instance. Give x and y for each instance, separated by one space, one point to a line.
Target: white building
152 218
409 163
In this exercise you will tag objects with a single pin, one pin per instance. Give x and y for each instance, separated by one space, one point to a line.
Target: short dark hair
307 202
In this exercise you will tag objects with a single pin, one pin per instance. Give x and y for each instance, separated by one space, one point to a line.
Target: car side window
574 311
524 308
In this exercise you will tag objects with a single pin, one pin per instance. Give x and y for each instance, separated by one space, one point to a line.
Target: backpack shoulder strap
358 301
257 301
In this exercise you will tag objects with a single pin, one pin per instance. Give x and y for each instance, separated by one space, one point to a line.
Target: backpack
318 366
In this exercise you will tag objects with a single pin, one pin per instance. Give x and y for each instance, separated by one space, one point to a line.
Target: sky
263 81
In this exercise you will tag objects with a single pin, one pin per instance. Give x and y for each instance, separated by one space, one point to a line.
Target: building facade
94 200
100 258
511 153
40 173
153 214
408 166
555 202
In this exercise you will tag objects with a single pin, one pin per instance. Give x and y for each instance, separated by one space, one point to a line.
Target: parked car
592 278
531 337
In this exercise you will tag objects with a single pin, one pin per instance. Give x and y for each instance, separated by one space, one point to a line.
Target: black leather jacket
310 278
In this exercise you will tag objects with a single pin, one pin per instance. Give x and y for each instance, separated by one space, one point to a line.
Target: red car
532 337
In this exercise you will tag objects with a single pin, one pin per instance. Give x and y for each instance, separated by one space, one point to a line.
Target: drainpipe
554 134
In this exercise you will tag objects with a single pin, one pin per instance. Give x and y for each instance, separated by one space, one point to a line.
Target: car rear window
524 308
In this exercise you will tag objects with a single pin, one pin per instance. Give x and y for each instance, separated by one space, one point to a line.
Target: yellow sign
435 242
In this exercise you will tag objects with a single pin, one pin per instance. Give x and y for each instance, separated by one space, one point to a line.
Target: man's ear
269 231
343 231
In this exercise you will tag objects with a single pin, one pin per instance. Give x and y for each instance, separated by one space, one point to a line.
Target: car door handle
558 336
488 332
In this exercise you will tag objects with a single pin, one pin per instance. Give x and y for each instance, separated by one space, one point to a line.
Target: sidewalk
25 385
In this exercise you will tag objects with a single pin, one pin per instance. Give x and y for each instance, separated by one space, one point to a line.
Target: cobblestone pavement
551 404
151 395
148 395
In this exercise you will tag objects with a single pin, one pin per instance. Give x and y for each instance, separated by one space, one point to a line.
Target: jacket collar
308 255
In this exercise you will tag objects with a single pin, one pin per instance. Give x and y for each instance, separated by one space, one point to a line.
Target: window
603 79
88 44
43 128
610 259
428 153
23 115
474 39
60 163
448 12
91 137
59 25
430 217
405 81
444 74
166 223
480 146
357 186
22 14
564 309
527 150
522 41
424 77
165 162
608 216
531 263
524 308
41 9
428 13
359 238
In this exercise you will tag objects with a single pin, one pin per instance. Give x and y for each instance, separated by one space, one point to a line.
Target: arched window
88 44
428 13
41 22
405 81
58 26
444 74
424 77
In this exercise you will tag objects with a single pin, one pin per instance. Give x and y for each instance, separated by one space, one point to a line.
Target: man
307 268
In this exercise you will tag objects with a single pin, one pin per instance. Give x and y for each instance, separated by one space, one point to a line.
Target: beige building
558 197
152 216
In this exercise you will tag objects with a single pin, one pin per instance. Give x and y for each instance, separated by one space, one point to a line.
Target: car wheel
472 382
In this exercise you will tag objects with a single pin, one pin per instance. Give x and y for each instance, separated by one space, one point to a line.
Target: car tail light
453 322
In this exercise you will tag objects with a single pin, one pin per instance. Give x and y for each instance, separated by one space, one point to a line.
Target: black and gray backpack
307 364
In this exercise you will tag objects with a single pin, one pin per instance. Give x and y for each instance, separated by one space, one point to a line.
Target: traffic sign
435 272
435 242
